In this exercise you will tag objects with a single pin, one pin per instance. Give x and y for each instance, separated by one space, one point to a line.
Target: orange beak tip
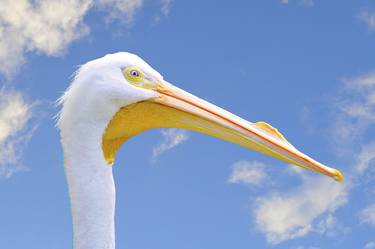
338 176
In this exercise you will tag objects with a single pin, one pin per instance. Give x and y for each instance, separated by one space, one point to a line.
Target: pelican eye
133 74
136 77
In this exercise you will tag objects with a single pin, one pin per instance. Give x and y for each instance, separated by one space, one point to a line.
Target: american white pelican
118 96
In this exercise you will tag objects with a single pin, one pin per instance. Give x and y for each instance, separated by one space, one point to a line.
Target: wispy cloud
354 110
300 211
165 7
248 172
171 138
355 117
307 247
50 26
368 18
122 10
370 245
307 3
367 215
366 158
15 114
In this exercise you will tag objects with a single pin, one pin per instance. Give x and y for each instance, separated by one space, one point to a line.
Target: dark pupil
134 73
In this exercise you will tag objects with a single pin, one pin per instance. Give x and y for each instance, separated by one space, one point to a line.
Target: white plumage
99 90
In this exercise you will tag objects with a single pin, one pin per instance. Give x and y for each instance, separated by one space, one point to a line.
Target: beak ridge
259 136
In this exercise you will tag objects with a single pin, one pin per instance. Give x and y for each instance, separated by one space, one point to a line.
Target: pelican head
129 96
118 96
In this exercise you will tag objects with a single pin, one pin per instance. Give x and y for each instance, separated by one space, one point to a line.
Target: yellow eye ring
136 77
133 74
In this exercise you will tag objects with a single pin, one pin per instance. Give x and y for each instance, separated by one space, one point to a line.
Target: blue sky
305 66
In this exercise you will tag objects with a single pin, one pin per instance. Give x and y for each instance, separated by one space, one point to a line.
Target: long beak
217 122
179 109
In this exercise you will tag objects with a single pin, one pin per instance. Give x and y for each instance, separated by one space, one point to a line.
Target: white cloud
49 27
370 245
165 7
361 82
248 172
171 138
366 158
367 215
355 107
309 247
355 116
308 208
368 18
123 10
308 3
15 113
